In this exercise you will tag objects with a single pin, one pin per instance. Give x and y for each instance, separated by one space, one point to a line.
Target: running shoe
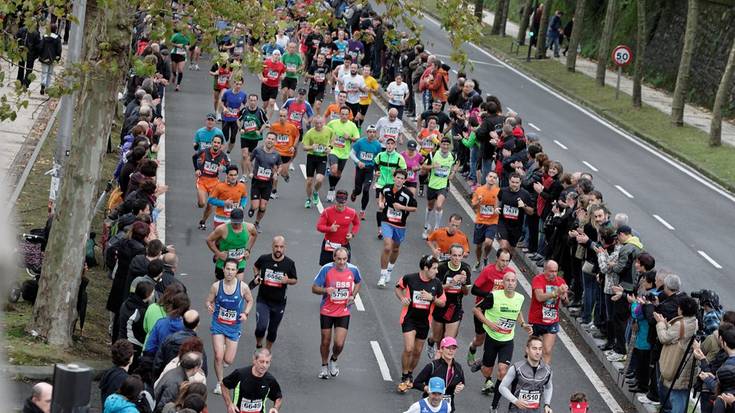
315 198
242 179
291 168
196 67
333 368
330 196
219 117
645 400
257 227
476 366
387 277
324 373
381 282
477 266
362 215
470 358
274 194
202 225
430 351
287 178
616 357
380 234
405 385
425 234
251 212
177 88
488 387
217 389
353 197
421 191
307 204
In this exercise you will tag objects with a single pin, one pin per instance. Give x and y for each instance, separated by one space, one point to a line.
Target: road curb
46 373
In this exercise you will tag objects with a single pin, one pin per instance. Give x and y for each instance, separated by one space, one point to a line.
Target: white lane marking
510 109
358 303
561 145
663 222
479 62
711 261
574 352
534 126
626 193
161 221
589 165
384 371
319 205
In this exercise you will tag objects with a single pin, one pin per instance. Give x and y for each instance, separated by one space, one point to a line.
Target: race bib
272 74
273 278
251 406
510 212
506 325
249 126
334 116
229 209
296 116
339 142
291 67
282 138
319 77
548 314
366 156
211 167
238 50
441 172
393 215
319 149
326 51
427 144
264 174
179 51
532 397
222 79
340 295
236 253
411 175
226 316
455 288
487 211
418 302
331 246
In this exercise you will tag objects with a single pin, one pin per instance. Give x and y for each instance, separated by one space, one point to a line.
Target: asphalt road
360 385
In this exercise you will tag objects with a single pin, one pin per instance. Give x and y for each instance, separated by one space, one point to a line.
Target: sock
390 267
324 364
473 349
427 213
258 346
496 399
378 219
438 218
384 273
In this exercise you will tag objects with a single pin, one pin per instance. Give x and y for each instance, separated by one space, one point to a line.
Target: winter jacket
131 320
119 404
30 407
438 85
111 381
167 387
675 336
49 51
624 267
162 329
128 249
169 350
30 41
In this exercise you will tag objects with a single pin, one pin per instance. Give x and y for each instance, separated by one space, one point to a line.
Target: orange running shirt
286 136
485 211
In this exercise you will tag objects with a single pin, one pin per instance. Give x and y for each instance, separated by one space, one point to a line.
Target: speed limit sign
622 55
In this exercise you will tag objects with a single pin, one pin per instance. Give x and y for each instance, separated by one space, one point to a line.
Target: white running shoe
217 389
196 67
387 277
333 368
381 282
645 400
324 373
430 351
291 167
425 234
330 196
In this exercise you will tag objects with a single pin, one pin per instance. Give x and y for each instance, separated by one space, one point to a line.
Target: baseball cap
341 196
390 138
211 116
278 52
578 407
448 342
411 144
436 385
302 91
371 128
624 229
237 216
517 132
446 139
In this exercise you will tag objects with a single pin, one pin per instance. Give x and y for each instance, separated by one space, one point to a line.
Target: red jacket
344 218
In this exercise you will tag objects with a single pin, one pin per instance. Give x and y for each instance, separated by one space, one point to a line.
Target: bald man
169 348
40 400
549 291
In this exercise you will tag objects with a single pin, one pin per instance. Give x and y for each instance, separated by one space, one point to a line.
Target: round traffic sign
622 55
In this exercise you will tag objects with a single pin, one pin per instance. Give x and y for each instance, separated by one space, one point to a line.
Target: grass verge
688 144
30 211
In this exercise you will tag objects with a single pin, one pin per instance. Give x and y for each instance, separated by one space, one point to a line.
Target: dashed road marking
663 222
589 165
626 193
534 126
358 303
384 371
710 260
561 145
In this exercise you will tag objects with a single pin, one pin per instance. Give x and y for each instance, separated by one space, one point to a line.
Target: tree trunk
479 5
542 29
640 50
498 17
685 64
603 52
504 17
579 10
109 25
526 16
723 92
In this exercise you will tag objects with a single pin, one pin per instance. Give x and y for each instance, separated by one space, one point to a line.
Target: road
296 352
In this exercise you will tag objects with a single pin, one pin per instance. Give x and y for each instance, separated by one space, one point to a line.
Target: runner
489 280
353 84
443 368
340 224
442 239
339 49
332 111
204 135
316 142
515 204
231 103
499 311
363 154
317 76
435 402
389 126
254 121
194 50
528 382
428 140
338 71
397 92
387 162
338 283
253 387
345 133
455 277
414 159
548 291
418 293
366 97
395 203
266 162
485 203
270 78
227 196
225 303
287 136
209 163
179 41
273 273
441 166
233 240
299 113
294 66
221 74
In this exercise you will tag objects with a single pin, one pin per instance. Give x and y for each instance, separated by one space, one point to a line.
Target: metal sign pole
617 86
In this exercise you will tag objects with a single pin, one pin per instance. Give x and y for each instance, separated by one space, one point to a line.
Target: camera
707 297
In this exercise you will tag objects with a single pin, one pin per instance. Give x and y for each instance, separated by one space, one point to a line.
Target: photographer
712 359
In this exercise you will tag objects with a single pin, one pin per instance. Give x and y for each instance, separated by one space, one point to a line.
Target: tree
574 40
723 92
479 6
525 17
107 42
542 30
685 64
504 18
498 18
603 51
640 50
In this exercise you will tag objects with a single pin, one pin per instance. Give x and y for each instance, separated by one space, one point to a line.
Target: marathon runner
225 303
387 163
339 50
418 293
363 154
209 162
204 135
339 224
498 312
366 97
270 78
253 386
515 203
353 84
548 291
413 159
227 196
443 368
179 41
332 111
428 140
273 273
435 402
287 136
345 133
338 283
389 126
489 280
253 121
231 102
233 240
299 113
338 71
266 162
316 142
485 203
294 65
395 203
441 166
221 73
317 76
455 277
527 385
442 239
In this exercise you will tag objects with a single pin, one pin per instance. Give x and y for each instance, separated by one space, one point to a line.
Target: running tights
229 128
268 316
363 180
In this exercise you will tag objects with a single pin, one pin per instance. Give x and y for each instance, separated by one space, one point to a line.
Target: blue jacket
162 329
116 403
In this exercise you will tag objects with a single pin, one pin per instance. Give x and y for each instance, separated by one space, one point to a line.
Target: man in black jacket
487 136
29 40
122 357
40 400
49 53
169 349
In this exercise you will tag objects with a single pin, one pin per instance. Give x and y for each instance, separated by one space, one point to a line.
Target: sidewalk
697 117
